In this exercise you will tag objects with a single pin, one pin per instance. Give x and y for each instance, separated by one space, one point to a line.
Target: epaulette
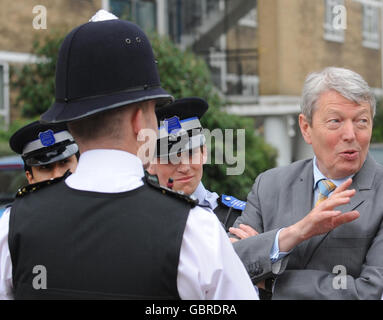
152 180
39 185
232 202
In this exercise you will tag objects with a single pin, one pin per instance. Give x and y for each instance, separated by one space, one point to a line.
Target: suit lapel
303 198
355 201
362 181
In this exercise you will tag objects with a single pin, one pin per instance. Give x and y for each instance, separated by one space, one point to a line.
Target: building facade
297 37
21 22
259 51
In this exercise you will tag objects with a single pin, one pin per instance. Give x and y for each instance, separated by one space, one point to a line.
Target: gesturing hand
322 219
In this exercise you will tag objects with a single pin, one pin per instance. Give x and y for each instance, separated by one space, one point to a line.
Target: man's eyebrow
332 111
363 111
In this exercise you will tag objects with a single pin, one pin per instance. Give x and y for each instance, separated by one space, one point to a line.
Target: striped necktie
325 187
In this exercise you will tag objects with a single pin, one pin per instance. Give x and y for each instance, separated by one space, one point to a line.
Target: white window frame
371 26
250 19
330 33
105 5
4 105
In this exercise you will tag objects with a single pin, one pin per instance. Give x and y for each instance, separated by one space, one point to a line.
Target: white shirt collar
206 197
107 170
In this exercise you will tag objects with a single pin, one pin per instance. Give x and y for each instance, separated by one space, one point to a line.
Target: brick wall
292 44
17 32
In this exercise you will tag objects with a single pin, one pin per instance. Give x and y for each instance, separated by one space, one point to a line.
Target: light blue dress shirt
275 255
319 176
205 197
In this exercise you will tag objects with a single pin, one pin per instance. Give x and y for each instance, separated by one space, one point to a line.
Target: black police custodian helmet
179 126
104 65
42 143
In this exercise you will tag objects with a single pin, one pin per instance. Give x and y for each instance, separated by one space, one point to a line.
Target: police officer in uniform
181 153
48 150
106 231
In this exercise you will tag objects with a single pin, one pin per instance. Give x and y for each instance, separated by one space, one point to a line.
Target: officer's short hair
104 124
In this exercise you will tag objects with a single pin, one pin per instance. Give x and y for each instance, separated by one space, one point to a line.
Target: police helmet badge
47 138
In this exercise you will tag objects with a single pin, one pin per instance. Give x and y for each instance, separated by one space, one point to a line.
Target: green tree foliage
5 149
36 82
377 130
182 74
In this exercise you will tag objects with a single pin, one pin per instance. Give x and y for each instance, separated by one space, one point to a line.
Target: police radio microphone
170 183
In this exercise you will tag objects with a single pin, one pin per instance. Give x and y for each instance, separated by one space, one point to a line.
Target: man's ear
137 120
305 128
29 176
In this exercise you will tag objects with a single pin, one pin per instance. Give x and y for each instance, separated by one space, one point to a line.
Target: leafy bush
6 135
377 130
36 82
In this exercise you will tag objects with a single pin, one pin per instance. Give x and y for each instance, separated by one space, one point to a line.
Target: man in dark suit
316 242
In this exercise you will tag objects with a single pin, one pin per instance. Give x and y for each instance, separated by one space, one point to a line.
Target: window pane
146 15
370 25
330 32
138 11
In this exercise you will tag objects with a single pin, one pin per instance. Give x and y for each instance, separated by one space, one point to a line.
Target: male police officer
106 231
180 155
48 150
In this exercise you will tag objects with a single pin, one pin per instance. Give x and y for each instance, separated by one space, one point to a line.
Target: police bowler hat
104 65
183 108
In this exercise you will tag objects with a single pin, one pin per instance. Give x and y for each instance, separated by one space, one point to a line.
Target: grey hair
347 83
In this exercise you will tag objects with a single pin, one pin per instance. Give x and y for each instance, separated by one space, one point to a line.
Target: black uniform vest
96 245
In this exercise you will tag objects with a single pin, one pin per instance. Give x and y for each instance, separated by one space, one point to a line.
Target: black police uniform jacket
97 245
